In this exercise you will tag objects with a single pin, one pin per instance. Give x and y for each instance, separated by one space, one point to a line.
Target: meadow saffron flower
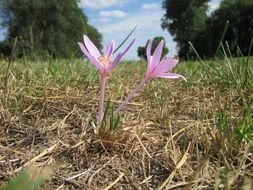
156 68
104 63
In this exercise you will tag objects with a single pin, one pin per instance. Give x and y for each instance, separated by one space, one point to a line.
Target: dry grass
168 137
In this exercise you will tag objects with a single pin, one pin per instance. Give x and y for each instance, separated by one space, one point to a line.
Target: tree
239 32
47 27
5 49
184 19
142 49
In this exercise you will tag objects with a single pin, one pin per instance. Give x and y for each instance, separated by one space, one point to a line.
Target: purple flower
103 62
157 68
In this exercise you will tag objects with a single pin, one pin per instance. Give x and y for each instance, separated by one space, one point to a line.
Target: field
172 135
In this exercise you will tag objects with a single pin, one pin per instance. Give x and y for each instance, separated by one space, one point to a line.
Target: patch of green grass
58 73
28 179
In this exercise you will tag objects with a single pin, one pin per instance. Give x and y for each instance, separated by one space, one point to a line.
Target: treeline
188 21
45 28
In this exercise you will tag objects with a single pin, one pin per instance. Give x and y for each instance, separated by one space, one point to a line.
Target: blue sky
114 19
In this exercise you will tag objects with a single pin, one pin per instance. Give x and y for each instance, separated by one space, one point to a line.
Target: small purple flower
103 62
157 68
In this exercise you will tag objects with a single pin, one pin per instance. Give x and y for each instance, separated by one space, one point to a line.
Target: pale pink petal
148 53
91 47
84 50
94 61
109 49
122 54
165 65
149 72
157 55
115 61
171 76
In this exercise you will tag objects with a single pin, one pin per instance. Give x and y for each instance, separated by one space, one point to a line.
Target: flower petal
157 55
148 53
116 61
84 50
165 65
94 61
109 49
171 76
120 55
91 47
128 47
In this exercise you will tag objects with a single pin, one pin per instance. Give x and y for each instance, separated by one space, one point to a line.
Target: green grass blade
125 39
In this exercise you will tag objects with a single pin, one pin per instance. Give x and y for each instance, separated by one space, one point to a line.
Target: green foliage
245 126
224 179
27 179
184 19
47 27
5 49
142 50
234 72
109 129
60 73
113 121
239 31
225 127
187 20
235 132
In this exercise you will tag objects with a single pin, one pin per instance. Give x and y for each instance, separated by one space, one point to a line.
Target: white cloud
144 21
98 4
148 27
114 13
151 6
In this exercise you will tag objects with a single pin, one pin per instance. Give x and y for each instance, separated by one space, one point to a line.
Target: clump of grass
30 178
233 72
244 130
109 127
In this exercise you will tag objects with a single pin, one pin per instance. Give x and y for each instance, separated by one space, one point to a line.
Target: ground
172 135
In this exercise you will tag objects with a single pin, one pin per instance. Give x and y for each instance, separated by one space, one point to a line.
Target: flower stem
101 99
138 87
